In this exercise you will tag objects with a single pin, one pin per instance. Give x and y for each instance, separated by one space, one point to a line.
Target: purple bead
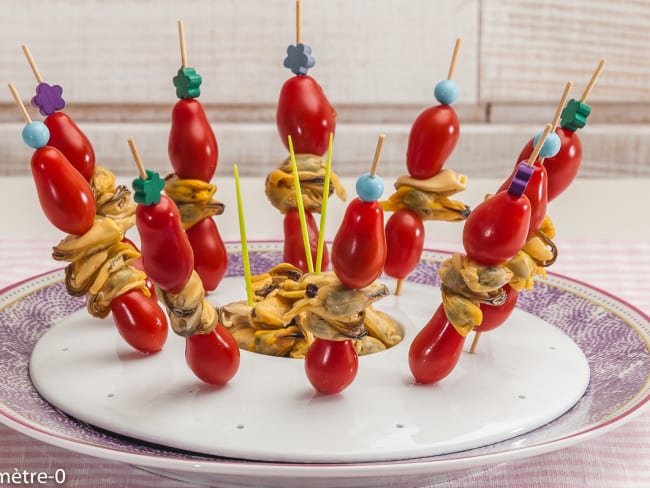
520 180
48 99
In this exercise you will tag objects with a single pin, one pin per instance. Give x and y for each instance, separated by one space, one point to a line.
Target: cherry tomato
210 254
65 196
192 147
495 315
359 247
68 138
166 251
404 243
537 193
213 357
436 349
433 137
305 114
331 366
497 228
140 321
563 167
294 248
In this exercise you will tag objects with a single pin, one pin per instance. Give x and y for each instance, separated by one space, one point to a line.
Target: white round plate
613 336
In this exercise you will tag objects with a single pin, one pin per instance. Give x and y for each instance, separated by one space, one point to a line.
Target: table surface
603 238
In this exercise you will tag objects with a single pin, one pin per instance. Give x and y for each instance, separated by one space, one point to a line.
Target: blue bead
36 134
446 92
551 145
369 188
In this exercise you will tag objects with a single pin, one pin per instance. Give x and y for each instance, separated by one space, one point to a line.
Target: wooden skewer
398 286
454 58
560 106
32 63
298 21
181 39
375 161
137 159
20 103
558 110
592 82
472 348
540 143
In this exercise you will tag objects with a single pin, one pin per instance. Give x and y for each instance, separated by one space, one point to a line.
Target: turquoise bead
551 145
36 134
369 188
446 92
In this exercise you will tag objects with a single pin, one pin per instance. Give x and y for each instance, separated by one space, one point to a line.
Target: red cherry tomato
140 321
359 247
497 229
68 138
166 252
210 254
404 243
436 349
563 167
213 357
331 366
294 248
495 315
433 137
537 193
65 196
305 114
192 147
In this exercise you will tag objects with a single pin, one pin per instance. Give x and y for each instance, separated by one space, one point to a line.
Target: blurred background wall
377 60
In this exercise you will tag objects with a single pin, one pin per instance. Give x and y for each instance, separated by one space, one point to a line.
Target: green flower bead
187 83
147 192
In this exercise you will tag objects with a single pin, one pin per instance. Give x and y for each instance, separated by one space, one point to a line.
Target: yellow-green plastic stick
244 242
301 208
323 209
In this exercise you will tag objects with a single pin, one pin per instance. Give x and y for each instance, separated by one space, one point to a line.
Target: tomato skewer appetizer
358 256
210 351
424 193
193 153
304 114
539 252
493 234
102 265
564 166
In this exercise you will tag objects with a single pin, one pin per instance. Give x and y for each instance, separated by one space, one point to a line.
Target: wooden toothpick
538 146
298 21
454 58
560 106
592 82
137 159
20 103
375 161
181 40
472 348
32 63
